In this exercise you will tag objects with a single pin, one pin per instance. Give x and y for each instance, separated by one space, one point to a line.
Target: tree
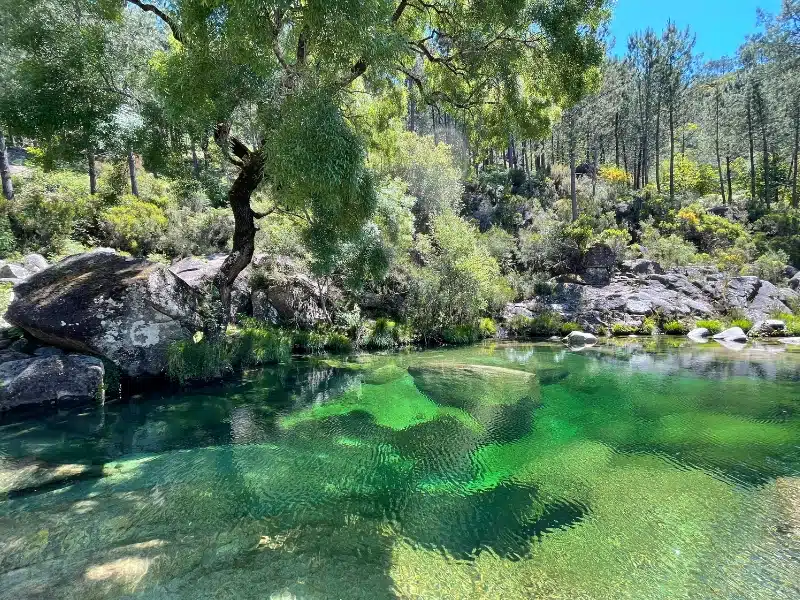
297 63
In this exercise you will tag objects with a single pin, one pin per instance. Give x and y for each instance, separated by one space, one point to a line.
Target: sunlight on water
512 471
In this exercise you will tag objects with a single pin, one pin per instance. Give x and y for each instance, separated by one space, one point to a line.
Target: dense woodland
446 157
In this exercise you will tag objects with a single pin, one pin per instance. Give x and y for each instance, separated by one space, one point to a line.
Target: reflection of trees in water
702 362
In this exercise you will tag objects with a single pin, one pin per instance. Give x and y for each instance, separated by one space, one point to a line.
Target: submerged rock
49 379
127 310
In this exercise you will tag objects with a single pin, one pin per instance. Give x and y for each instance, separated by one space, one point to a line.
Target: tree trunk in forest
671 154
5 170
412 105
433 125
616 139
573 189
625 157
195 162
765 150
752 151
92 170
658 147
796 150
719 158
244 234
730 179
132 171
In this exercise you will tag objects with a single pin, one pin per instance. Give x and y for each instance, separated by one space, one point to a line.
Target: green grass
675 328
621 329
714 326
744 324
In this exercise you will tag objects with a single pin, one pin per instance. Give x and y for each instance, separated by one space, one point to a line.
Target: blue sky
720 25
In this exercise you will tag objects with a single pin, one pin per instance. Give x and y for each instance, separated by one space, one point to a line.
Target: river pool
642 470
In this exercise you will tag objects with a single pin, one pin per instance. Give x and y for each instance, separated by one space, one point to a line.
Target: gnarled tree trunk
132 170
244 233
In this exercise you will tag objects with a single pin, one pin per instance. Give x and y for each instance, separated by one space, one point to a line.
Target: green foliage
458 282
743 323
487 327
771 266
203 360
544 324
675 328
616 239
256 344
792 323
47 209
648 327
692 177
134 225
714 326
707 231
621 329
669 251
426 167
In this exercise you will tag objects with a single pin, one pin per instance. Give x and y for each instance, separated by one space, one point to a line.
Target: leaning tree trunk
132 171
658 147
765 150
730 179
244 235
5 170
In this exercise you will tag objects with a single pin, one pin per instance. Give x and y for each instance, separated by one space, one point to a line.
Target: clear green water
637 471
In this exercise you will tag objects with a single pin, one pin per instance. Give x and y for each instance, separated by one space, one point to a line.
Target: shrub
771 265
616 176
458 282
709 232
621 329
201 360
744 324
792 323
519 325
259 344
487 327
134 226
338 343
569 327
669 251
648 326
461 334
46 208
713 326
675 328
382 334
616 239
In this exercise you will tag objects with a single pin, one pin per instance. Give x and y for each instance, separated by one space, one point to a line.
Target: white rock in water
700 334
580 338
734 334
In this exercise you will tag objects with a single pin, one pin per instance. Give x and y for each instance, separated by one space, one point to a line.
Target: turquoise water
642 471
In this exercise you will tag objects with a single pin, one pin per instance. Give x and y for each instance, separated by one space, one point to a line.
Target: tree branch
166 18
227 145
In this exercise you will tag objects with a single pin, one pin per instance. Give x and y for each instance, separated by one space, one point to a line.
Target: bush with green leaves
771 266
428 168
616 239
544 324
743 323
669 251
46 208
458 281
675 328
623 329
707 231
714 326
649 326
134 226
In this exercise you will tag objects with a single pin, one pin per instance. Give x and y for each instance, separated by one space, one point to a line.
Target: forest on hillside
426 162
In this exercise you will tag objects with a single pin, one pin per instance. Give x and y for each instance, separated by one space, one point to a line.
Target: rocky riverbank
641 289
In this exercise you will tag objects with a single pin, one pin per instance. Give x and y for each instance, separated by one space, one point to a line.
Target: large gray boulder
599 264
35 263
580 338
50 379
199 273
284 293
794 282
14 271
125 309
